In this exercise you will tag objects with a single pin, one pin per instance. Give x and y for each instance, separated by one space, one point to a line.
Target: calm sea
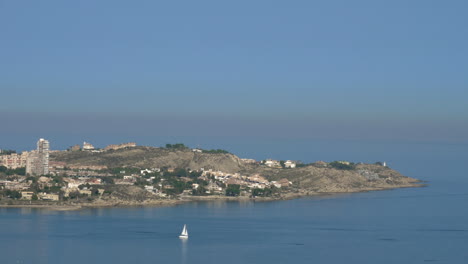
417 225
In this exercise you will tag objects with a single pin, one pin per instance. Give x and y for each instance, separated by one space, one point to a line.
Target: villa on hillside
290 164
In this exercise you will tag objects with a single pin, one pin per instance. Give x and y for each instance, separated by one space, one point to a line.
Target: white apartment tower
38 160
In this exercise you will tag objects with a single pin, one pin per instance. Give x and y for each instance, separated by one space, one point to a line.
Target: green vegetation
76 195
176 146
282 164
7 151
339 165
123 170
182 173
12 194
58 180
233 190
141 182
262 192
177 187
18 171
107 180
300 164
200 191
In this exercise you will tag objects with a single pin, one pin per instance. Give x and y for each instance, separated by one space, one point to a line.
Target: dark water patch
441 195
343 229
141 232
295 244
443 230
388 239
84 236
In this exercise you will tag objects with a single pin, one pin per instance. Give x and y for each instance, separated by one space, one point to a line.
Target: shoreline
189 199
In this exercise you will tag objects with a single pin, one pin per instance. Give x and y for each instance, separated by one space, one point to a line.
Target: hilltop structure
121 146
37 162
88 146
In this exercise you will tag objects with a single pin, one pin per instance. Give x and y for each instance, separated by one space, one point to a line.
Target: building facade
14 161
38 160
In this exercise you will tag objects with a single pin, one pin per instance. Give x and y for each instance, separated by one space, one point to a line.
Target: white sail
184 233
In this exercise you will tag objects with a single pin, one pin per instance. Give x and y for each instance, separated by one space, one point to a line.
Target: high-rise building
38 160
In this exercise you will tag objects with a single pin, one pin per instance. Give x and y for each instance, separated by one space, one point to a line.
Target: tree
282 164
13 194
95 191
140 182
34 197
176 146
195 174
74 195
55 189
181 172
199 191
262 192
107 180
18 171
233 190
32 179
35 187
7 151
57 179
341 165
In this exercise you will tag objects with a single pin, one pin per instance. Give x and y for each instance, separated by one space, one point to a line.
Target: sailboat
184 233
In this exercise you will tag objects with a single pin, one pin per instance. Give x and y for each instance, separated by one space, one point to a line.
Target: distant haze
319 70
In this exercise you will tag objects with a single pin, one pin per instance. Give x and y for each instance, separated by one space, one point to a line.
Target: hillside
151 157
305 180
325 179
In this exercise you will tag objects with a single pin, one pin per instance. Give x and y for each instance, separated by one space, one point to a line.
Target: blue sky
380 70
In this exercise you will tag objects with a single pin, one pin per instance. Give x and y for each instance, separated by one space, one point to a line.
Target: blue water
413 225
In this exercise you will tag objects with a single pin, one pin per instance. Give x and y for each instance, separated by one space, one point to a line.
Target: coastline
188 199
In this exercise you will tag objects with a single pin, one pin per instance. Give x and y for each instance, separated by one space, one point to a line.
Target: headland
129 175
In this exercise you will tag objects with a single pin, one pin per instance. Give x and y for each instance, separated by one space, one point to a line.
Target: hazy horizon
327 70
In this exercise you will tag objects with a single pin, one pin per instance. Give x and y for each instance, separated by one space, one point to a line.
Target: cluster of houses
217 182
22 184
26 195
251 181
272 163
277 164
76 178
17 184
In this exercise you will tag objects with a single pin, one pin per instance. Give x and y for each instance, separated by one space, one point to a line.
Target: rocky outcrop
319 179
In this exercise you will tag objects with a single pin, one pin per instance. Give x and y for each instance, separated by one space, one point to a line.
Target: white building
272 163
290 164
88 146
